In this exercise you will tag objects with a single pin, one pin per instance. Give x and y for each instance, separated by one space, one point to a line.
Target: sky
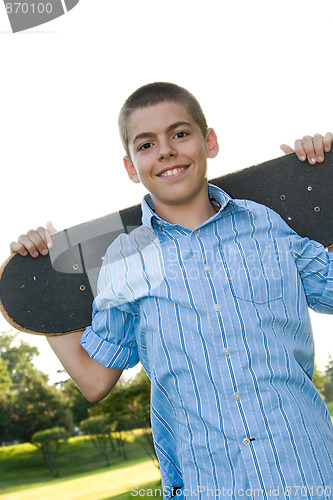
261 70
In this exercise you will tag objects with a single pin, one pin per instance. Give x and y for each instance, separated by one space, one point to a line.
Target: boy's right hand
34 242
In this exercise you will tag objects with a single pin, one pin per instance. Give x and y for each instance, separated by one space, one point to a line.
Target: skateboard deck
53 295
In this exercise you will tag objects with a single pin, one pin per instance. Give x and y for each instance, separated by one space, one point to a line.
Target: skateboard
53 294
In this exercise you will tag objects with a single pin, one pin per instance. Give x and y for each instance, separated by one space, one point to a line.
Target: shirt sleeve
111 339
315 266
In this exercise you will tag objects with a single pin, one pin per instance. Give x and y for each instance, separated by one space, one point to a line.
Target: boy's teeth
172 172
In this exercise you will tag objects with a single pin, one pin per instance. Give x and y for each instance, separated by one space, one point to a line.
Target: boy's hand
34 242
311 148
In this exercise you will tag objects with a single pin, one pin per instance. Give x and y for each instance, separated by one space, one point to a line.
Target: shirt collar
214 193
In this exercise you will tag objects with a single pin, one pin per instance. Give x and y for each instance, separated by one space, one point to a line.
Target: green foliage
19 356
100 430
48 441
5 379
319 379
28 404
77 403
328 386
5 398
128 407
330 408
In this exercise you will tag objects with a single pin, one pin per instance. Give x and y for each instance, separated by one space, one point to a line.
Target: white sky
261 70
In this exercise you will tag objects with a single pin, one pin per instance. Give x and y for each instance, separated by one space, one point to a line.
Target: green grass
82 473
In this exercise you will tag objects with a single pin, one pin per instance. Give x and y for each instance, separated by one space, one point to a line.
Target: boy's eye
181 134
146 145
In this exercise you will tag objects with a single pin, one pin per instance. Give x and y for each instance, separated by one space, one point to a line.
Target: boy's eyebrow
146 135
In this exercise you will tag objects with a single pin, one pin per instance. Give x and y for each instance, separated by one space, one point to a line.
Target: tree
319 379
48 441
18 355
99 430
127 407
139 406
6 412
38 406
328 385
32 405
78 404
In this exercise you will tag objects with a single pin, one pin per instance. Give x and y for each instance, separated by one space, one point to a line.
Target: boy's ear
131 169
212 143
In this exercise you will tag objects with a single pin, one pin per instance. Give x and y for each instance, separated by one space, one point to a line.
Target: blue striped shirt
218 317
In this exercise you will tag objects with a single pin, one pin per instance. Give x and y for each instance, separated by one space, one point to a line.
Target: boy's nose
166 150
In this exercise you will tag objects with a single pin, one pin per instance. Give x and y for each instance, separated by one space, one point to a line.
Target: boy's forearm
94 380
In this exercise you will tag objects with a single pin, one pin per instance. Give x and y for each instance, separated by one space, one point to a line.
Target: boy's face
169 153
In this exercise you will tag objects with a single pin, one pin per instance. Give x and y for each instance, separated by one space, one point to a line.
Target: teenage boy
211 294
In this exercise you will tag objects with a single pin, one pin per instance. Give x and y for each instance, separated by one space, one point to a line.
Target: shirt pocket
254 269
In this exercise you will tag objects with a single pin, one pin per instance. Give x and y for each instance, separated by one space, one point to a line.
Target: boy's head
155 93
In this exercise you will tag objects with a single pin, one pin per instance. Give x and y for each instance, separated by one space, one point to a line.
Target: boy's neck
191 214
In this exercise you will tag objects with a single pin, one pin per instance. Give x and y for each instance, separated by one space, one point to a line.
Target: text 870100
25 8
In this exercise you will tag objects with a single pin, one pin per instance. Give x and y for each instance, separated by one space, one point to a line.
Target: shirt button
206 268
246 441
217 307
197 233
237 396
226 351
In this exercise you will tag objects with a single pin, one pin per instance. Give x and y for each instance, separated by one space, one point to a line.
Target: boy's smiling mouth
173 171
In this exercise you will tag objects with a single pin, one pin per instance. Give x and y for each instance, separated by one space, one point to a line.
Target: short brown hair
155 93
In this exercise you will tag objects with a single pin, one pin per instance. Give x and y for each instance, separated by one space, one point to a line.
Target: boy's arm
94 380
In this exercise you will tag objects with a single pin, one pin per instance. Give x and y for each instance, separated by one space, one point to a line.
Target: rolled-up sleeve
110 339
315 266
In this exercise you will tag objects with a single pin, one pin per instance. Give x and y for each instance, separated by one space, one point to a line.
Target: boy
211 294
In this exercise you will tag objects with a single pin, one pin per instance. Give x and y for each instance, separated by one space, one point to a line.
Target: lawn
82 473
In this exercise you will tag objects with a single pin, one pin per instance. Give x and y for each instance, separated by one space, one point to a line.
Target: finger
328 139
299 150
286 149
24 245
306 144
34 242
17 247
318 144
49 230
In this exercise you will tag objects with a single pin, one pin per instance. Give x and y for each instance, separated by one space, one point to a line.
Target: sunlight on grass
93 487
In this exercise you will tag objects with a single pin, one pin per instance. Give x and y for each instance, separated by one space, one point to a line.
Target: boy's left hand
311 148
